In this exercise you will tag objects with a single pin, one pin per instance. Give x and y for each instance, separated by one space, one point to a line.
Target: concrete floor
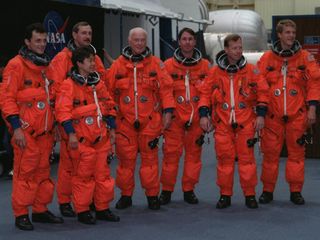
179 220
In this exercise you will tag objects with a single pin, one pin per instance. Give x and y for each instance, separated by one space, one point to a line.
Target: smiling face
37 43
137 41
287 37
83 36
87 66
234 51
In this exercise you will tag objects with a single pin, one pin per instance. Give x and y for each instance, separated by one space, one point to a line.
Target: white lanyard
284 71
187 85
46 88
135 89
99 117
232 102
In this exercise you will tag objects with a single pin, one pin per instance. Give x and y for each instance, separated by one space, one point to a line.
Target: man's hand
166 120
206 124
73 141
259 123
112 134
311 116
19 138
107 56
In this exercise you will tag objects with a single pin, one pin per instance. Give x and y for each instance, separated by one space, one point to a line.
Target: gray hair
137 29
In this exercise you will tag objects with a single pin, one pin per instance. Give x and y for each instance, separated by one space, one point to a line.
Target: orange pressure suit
61 65
293 77
85 106
185 131
233 91
139 85
26 105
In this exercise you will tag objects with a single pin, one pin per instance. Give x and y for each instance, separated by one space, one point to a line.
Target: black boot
153 202
190 197
251 202
66 210
124 202
23 222
266 197
107 215
92 207
296 198
165 197
46 217
224 202
86 218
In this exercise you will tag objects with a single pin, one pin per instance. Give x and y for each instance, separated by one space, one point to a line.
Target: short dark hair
75 28
285 23
188 30
37 27
231 37
81 53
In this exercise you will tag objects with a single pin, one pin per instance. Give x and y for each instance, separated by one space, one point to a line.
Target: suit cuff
68 128
168 110
313 103
14 121
111 122
261 110
203 111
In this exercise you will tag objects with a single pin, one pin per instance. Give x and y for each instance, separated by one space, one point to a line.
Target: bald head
137 40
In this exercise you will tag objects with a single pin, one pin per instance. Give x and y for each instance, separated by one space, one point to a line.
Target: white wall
269 8
306 6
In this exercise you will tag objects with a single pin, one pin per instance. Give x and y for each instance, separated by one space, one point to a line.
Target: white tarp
191 10
248 24
150 7
147 7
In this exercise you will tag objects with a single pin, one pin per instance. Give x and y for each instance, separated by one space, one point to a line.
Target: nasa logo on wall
57 37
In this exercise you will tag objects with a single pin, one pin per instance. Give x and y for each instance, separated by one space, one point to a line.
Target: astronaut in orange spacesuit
188 69
26 105
61 65
233 88
293 76
142 89
83 104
